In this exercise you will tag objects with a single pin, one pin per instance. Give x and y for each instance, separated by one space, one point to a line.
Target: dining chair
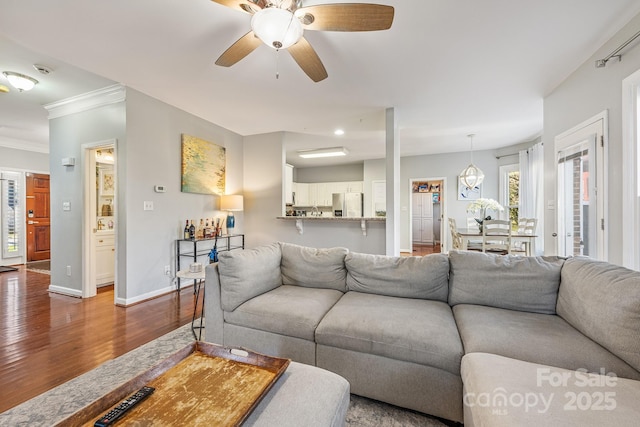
526 227
456 238
496 236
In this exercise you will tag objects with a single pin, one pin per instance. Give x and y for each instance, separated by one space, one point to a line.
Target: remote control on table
113 415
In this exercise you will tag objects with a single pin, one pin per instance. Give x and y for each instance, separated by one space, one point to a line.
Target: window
11 214
510 192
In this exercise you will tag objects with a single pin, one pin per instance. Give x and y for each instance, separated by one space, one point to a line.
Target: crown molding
86 101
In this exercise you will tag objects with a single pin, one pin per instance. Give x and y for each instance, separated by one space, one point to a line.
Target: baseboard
65 291
144 297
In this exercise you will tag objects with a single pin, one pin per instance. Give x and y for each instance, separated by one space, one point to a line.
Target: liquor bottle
200 230
186 230
192 231
207 230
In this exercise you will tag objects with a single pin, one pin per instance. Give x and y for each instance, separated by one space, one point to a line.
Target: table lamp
231 203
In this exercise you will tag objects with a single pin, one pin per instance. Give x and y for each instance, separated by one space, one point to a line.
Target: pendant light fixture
471 176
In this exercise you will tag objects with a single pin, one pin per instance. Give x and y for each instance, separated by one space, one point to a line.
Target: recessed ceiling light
338 132
323 152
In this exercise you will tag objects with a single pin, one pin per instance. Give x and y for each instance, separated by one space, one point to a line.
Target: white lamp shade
472 176
277 28
231 202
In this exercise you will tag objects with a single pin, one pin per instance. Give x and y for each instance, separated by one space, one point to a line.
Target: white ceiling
448 67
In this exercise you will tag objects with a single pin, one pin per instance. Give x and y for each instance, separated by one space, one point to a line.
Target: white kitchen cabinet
302 194
422 217
105 258
288 184
321 193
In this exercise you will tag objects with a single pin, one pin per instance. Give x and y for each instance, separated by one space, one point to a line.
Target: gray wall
587 92
446 166
152 156
66 135
28 161
148 134
264 159
337 173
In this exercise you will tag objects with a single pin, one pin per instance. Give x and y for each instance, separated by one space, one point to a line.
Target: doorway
99 218
37 211
426 212
581 190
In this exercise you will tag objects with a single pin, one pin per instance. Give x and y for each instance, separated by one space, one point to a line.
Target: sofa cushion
288 310
602 301
314 268
534 337
512 282
504 392
413 330
248 273
409 277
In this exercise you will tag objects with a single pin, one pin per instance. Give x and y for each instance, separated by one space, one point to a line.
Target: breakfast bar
362 221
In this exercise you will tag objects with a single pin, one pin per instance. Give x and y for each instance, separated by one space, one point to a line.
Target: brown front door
38 235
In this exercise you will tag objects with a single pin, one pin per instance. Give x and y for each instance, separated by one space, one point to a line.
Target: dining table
473 234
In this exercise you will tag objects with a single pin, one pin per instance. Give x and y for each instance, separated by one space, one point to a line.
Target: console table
194 248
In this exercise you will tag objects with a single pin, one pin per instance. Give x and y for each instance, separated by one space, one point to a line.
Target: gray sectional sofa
484 339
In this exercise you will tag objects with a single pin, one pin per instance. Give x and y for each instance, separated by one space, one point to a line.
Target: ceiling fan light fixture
323 152
277 28
21 82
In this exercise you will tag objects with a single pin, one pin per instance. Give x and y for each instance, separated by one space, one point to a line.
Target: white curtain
531 190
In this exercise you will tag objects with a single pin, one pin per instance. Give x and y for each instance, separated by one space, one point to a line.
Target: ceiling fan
280 24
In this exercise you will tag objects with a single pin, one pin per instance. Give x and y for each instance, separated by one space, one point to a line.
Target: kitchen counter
299 220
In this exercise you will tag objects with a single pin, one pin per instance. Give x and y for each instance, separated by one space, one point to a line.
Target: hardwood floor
421 250
47 339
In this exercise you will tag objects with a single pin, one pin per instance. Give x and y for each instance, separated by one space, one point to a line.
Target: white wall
587 92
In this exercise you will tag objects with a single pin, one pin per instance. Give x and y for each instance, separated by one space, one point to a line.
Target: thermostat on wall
159 188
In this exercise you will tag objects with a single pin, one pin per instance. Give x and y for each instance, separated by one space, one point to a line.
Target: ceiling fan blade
308 60
243 47
247 6
346 17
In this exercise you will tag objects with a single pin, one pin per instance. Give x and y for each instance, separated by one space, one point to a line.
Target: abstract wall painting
203 166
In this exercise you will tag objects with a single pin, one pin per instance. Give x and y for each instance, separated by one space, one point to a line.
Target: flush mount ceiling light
20 81
338 132
471 176
323 152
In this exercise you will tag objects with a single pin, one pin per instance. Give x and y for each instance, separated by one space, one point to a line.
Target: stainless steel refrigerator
347 204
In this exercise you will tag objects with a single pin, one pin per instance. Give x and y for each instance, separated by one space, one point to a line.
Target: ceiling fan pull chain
277 64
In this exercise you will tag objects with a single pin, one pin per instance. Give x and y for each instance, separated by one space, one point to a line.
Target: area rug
43 267
4 269
68 398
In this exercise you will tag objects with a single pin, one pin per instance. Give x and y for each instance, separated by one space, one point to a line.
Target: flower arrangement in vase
481 206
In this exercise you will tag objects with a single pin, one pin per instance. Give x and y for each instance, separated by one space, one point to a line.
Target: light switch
66 205
148 206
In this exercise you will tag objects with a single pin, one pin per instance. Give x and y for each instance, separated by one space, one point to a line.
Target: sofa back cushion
314 268
247 274
511 282
408 277
602 301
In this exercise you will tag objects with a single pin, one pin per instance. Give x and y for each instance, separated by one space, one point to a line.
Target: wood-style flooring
47 339
421 250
